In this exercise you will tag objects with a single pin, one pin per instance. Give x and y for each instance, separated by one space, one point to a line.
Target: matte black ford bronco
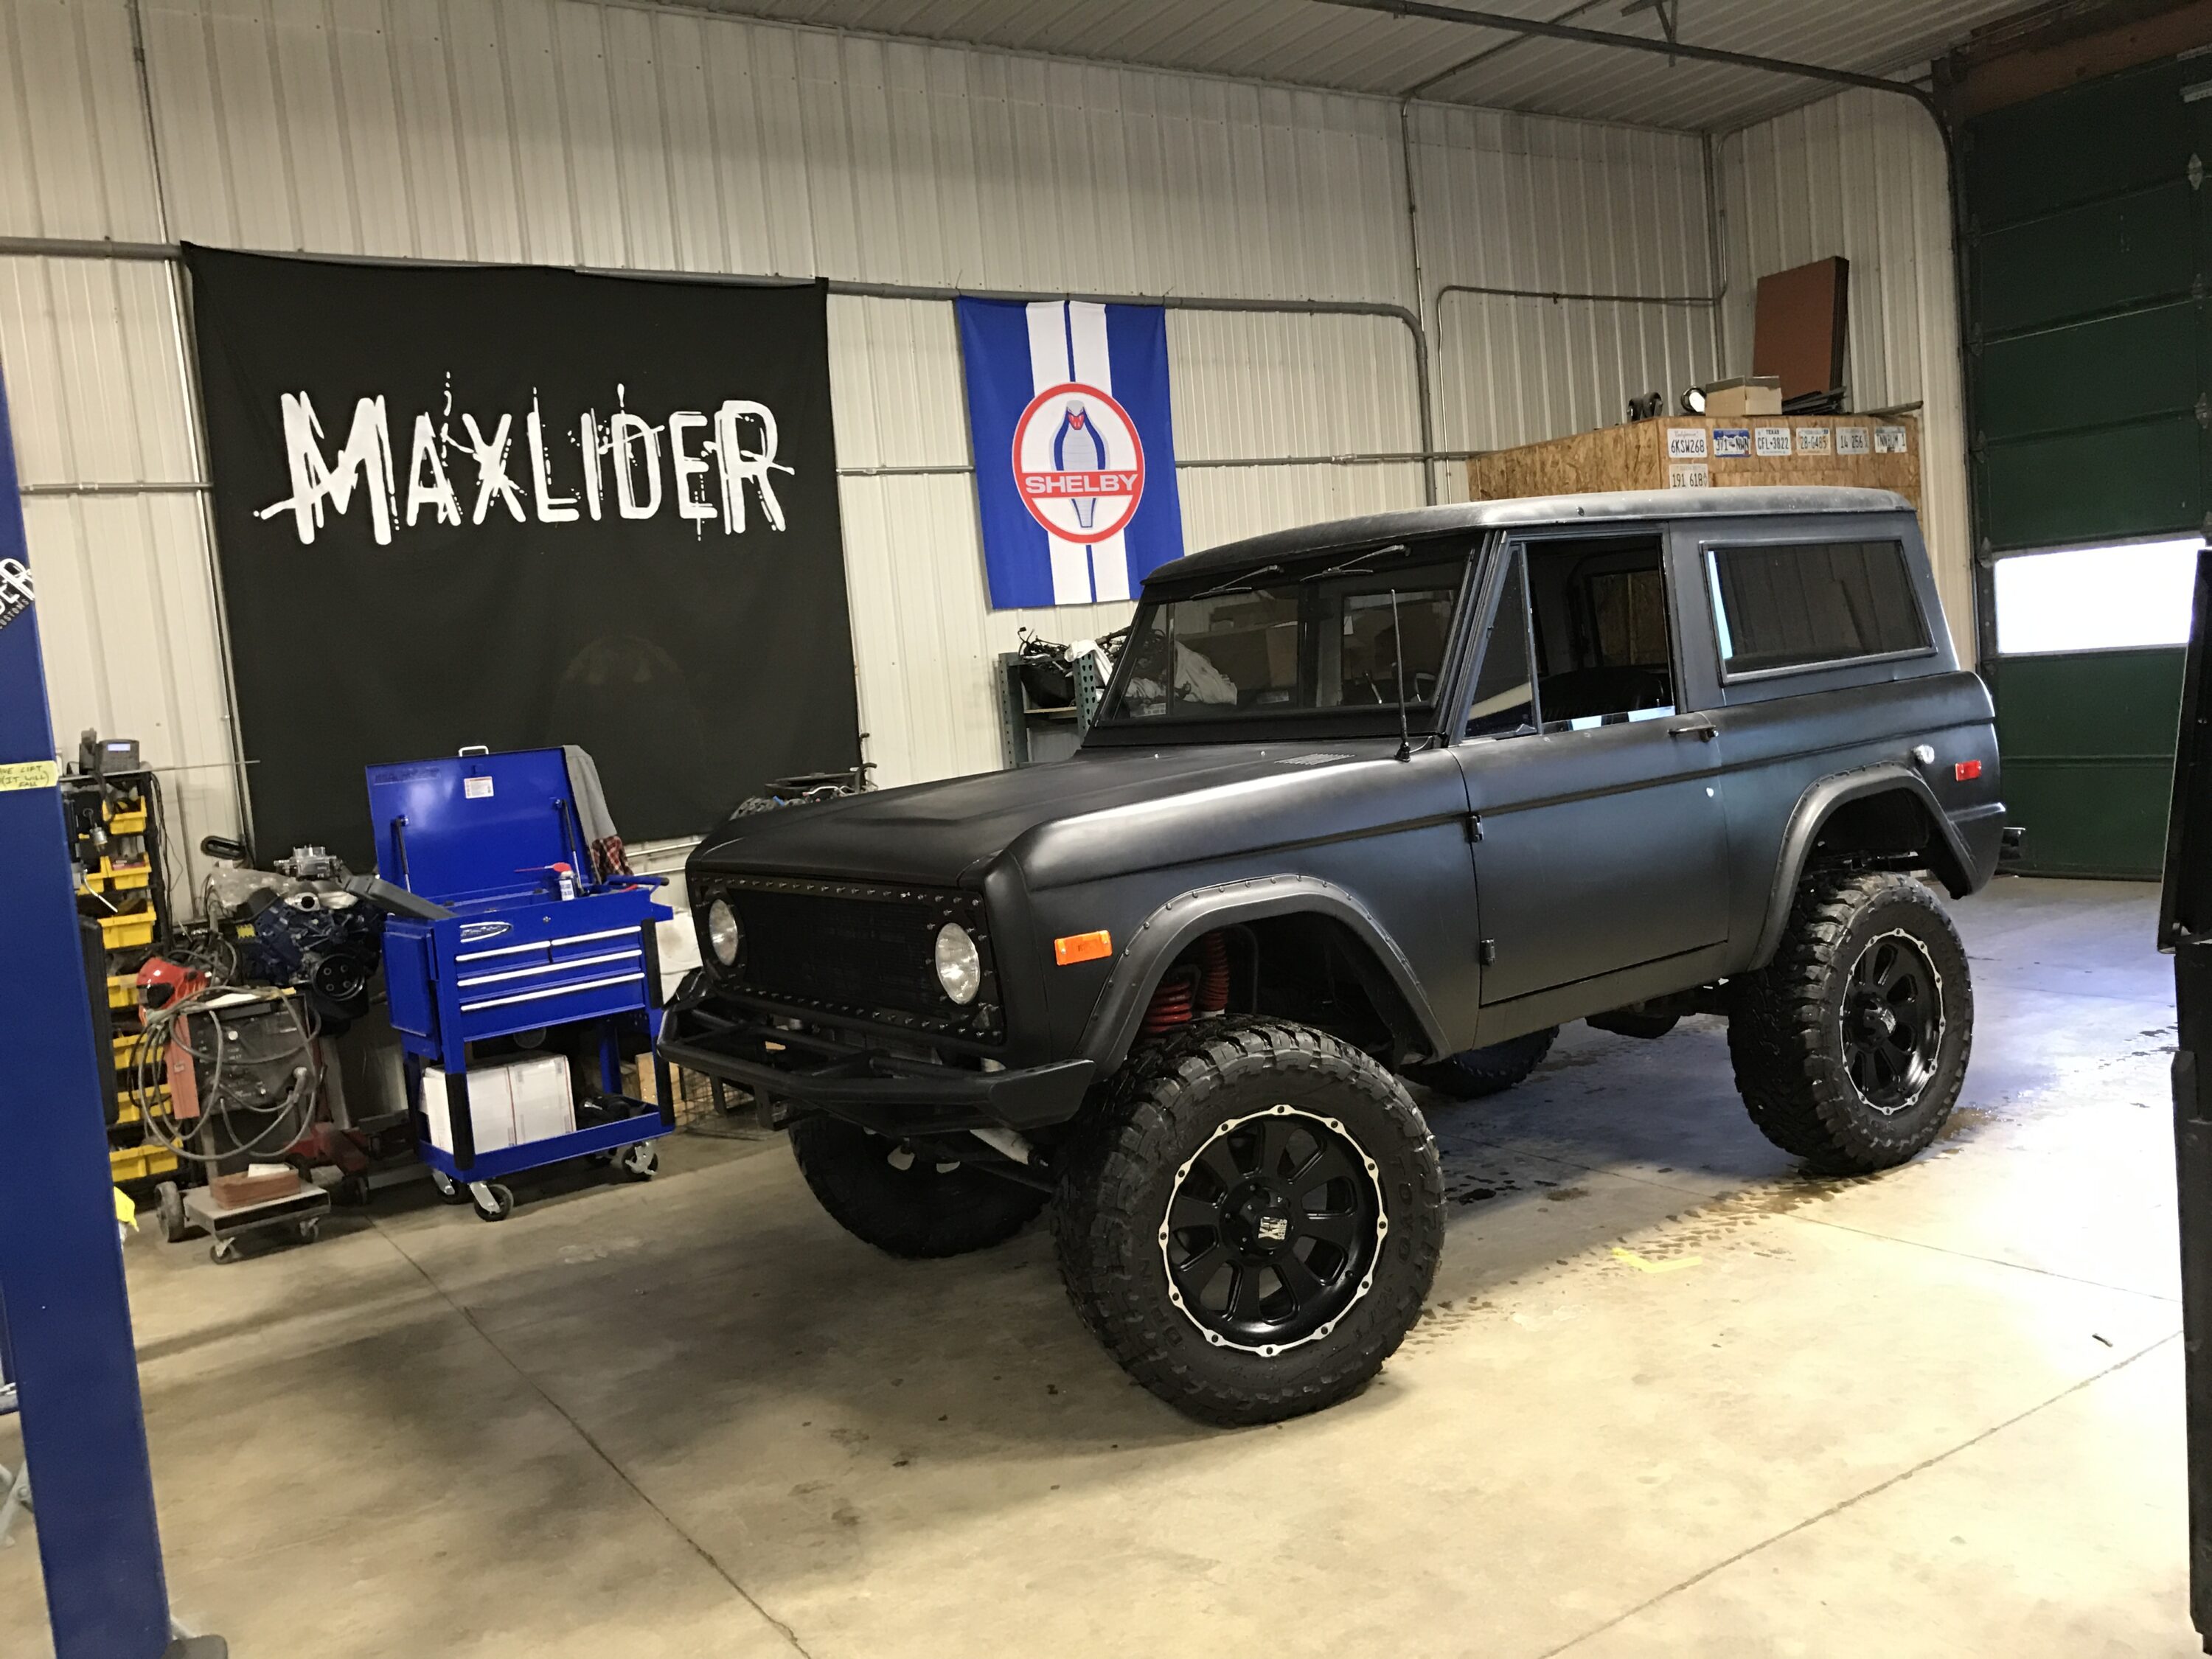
1385 799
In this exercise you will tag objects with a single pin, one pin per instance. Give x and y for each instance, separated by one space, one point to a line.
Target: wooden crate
1683 451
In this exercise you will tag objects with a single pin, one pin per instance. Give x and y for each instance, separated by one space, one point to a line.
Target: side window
1505 696
1805 604
1598 618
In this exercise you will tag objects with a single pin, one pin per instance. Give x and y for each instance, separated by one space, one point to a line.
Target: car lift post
2184 928
61 1264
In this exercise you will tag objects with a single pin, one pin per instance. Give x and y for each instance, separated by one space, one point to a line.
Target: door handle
1699 727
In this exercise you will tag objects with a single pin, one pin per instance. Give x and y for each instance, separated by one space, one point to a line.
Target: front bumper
892 1094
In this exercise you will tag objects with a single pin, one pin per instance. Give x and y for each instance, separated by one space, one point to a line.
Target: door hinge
2195 172
2203 410
1488 953
1474 826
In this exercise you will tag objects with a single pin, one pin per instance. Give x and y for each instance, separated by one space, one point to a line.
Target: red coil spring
1170 1006
1190 989
1213 976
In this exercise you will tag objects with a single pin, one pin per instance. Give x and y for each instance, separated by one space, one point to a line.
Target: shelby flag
1075 470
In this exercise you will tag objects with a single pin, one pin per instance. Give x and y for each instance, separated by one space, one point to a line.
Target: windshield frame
1423 716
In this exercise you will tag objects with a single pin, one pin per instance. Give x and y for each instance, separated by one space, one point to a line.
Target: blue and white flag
1075 474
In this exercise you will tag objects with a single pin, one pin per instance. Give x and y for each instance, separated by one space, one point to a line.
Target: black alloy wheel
1273 1229
905 1201
1249 1217
1893 1018
1850 1046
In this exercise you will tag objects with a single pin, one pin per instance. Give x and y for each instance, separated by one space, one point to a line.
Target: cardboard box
509 1105
1735 400
543 1108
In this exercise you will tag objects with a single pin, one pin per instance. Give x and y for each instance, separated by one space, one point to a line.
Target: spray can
564 879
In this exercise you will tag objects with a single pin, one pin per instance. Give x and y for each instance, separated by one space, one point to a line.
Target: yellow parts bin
140 1163
127 932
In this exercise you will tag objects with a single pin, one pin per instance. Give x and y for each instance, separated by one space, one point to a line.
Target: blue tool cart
531 948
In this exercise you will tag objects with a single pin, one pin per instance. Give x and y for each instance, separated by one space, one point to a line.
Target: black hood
946 832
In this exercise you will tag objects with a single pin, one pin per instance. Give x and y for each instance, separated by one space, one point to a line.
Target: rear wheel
1473 1073
1851 1045
1251 1220
905 1201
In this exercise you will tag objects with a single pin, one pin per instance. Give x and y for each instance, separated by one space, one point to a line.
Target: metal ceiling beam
1657 47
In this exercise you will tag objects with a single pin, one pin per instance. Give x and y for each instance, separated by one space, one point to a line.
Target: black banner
520 507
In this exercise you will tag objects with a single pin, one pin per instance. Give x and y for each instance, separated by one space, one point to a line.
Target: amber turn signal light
1082 947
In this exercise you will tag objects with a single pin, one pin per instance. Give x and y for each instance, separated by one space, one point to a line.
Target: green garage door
2087 261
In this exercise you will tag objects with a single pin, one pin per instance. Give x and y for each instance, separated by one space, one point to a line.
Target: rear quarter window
1788 606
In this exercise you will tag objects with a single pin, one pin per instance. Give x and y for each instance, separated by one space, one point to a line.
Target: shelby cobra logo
1078 462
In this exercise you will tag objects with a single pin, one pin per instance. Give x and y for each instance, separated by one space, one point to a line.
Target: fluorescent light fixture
2096 598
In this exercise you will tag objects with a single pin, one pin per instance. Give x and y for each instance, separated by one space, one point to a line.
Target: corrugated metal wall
1863 175
572 132
1542 216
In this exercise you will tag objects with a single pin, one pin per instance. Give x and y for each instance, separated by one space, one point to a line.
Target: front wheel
1850 1046
1251 1221
908 1201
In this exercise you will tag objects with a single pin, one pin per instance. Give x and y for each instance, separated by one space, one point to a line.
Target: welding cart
516 975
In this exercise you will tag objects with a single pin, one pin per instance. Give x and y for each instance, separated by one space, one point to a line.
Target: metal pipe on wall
54 247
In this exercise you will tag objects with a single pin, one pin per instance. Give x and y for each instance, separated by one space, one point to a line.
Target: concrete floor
1670 1398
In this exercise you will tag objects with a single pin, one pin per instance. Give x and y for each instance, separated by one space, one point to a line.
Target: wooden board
1637 457
1798 326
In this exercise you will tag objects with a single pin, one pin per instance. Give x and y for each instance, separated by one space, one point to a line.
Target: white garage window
2096 598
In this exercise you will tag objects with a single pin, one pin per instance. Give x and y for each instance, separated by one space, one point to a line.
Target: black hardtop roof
1763 502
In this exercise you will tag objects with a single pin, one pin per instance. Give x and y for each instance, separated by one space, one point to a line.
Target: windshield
1340 632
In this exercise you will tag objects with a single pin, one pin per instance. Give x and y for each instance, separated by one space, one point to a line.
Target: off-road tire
1121 1170
1473 1073
1786 1025
919 1210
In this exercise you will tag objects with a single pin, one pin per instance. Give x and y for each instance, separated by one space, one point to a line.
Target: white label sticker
476 788
1854 441
1731 440
1811 441
1685 443
1889 439
1770 440
1691 475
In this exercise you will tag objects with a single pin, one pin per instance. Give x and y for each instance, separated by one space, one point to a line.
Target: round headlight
959 963
725 937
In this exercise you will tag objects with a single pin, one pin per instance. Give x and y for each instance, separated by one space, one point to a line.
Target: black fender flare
1120 1010
1950 858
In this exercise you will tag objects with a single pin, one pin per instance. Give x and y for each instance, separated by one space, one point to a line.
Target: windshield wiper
1242 583
1357 559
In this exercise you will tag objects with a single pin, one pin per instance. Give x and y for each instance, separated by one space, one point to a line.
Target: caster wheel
223 1252
639 1163
353 1192
491 1201
310 1231
449 1190
171 1209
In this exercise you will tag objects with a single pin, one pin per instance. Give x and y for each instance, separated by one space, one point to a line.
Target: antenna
1398 656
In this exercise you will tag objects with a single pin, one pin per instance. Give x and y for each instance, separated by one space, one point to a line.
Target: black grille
857 951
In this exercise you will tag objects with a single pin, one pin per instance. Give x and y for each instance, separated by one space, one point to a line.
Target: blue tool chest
480 835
